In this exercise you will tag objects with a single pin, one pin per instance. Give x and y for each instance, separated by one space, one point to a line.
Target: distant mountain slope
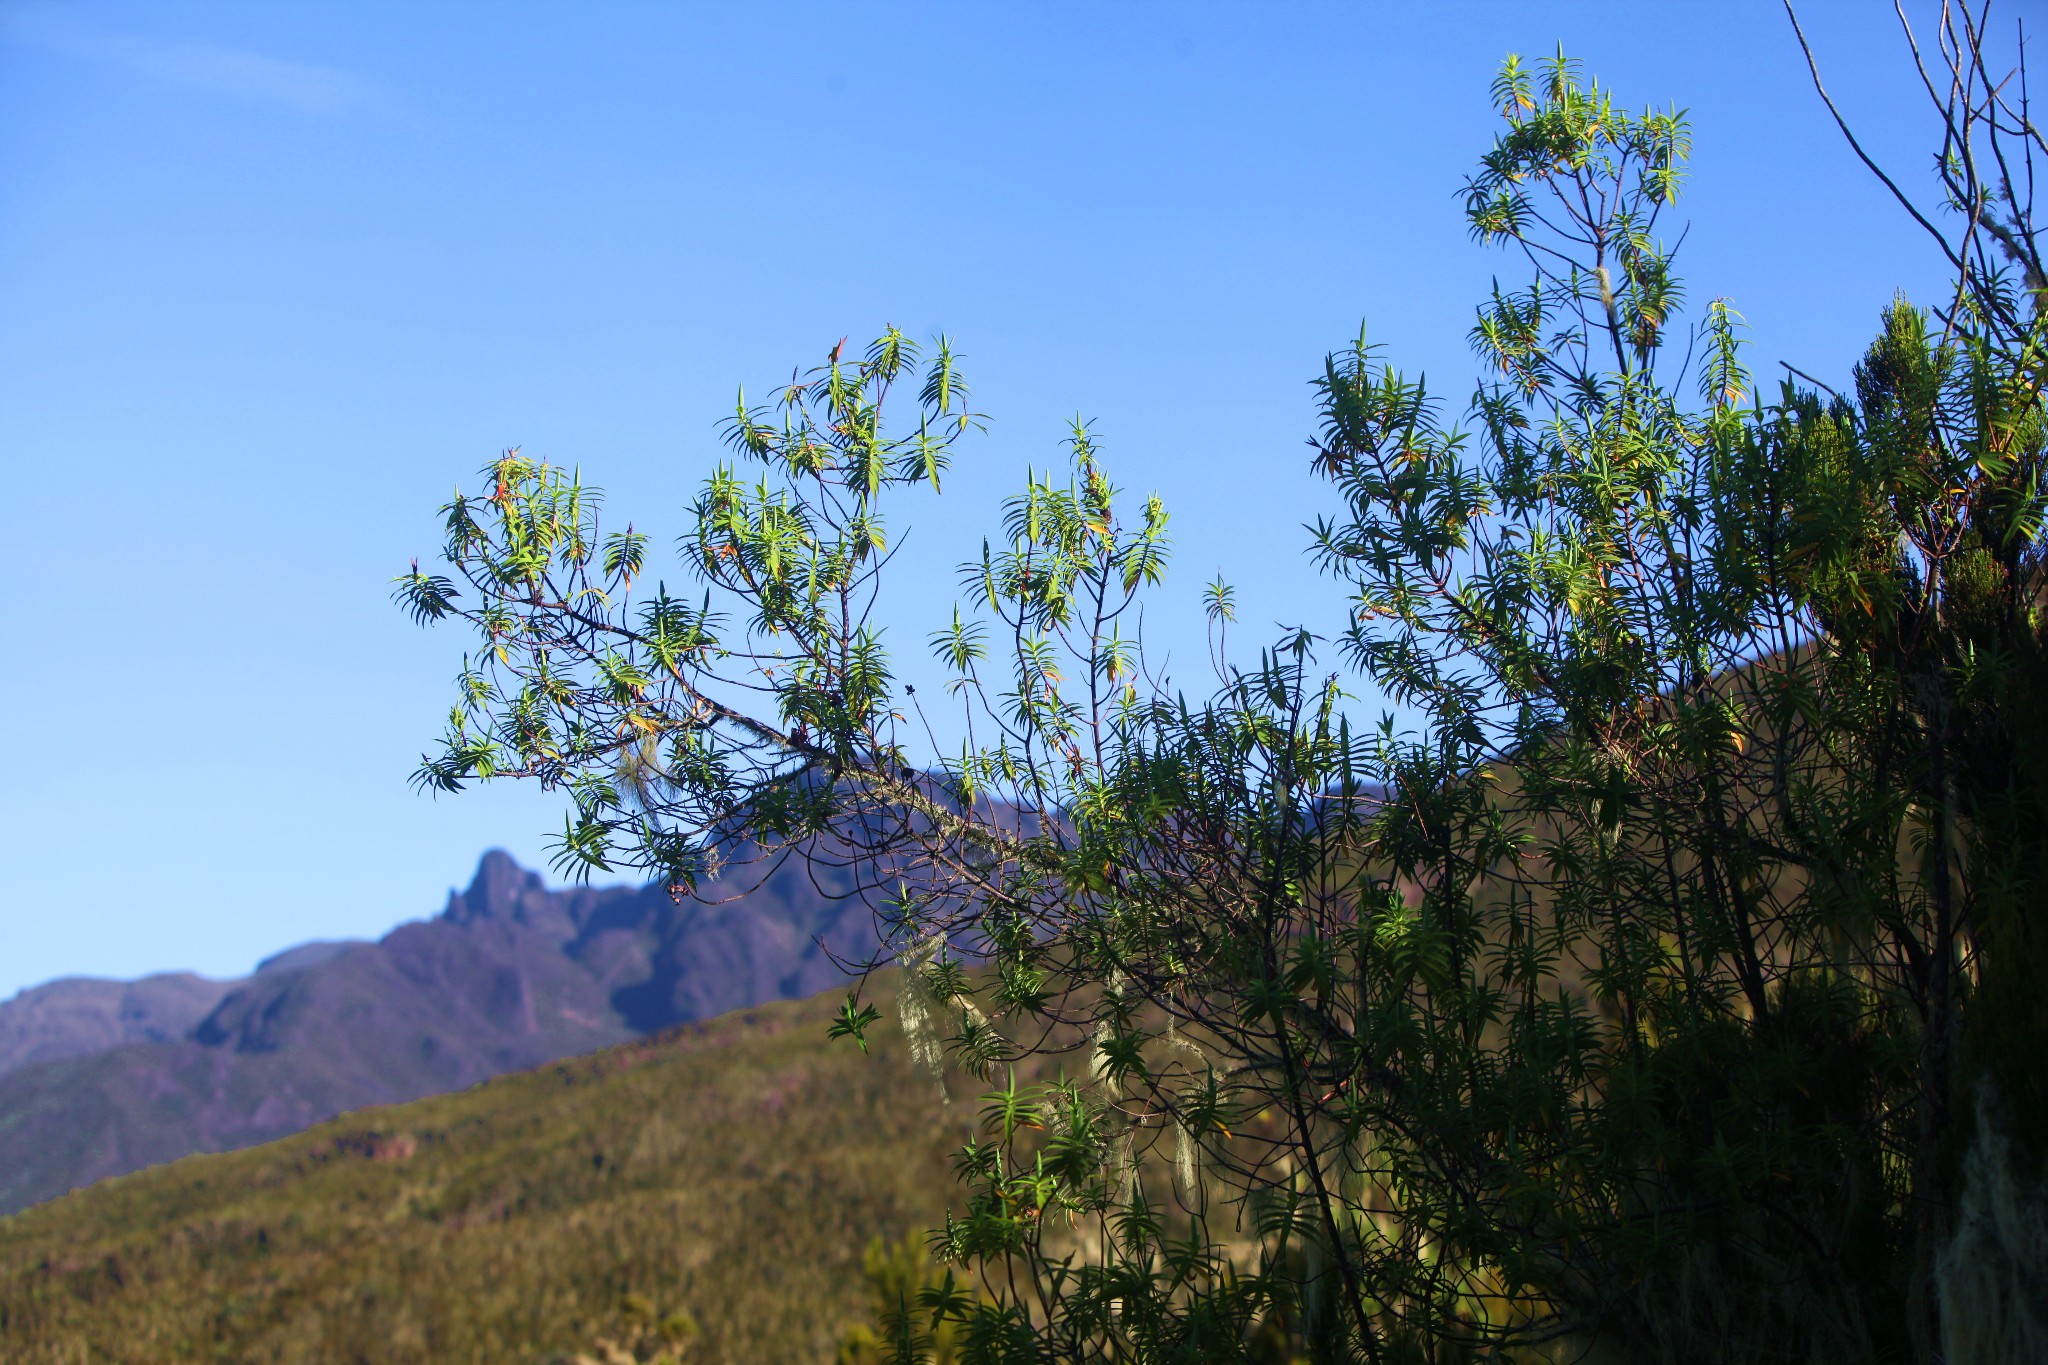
77 1016
509 976
734 1169
80 1015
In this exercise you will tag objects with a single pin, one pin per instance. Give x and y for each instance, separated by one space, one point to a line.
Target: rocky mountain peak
512 974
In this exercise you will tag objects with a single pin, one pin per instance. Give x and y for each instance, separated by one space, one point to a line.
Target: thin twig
1813 67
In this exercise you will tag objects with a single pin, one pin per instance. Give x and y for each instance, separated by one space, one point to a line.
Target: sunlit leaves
853 1020
624 554
577 675
961 645
425 597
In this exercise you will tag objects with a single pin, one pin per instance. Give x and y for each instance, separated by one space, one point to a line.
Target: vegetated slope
734 1169
510 975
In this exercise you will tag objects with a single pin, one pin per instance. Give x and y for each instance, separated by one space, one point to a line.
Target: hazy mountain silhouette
77 1016
106 1077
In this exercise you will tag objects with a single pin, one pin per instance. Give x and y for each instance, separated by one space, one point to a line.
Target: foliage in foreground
723 1177
1640 999
901 1277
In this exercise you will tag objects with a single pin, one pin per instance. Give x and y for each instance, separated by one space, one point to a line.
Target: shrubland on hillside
98 1078
734 1170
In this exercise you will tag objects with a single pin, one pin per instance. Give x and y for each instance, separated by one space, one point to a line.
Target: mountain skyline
92 993
100 1078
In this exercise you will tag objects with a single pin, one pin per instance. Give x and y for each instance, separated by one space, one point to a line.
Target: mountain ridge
75 1016
510 975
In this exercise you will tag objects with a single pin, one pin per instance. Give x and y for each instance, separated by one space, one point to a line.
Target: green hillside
734 1170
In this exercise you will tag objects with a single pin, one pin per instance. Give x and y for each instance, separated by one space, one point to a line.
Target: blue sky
275 278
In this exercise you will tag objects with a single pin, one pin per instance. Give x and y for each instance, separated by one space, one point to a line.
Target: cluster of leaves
735 716
1623 1002
904 1284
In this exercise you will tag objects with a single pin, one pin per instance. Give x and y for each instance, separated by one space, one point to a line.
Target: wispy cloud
251 75
207 68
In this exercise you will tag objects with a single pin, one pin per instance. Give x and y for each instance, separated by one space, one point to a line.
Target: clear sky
275 278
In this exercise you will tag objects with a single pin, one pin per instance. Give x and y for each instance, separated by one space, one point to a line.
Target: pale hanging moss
919 1005
1098 1068
1185 1164
1098 1059
1993 1276
1186 1159
1127 1169
1175 1040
